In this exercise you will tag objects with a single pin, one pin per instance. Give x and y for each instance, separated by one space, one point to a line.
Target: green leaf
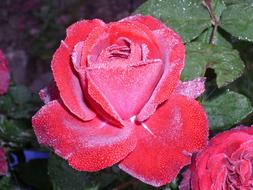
218 6
244 84
16 131
220 39
226 62
226 109
187 17
64 177
231 2
19 103
237 20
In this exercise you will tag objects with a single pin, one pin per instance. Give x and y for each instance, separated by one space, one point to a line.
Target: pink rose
121 101
226 163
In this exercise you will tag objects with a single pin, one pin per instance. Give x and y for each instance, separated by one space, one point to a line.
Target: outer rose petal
237 131
174 54
151 22
79 31
3 162
178 128
64 74
69 85
4 74
88 146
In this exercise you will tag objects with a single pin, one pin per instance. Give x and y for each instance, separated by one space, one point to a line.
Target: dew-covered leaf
218 6
226 62
226 109
237 20
222 38
187 17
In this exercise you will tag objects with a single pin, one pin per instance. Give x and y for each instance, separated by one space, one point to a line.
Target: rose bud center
122 71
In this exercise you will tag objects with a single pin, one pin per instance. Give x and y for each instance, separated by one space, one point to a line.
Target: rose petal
126 89
101 103
64 75
80 30
216 166
178 128
88 146
171 44
231 143
245 148
151 22
69 85
191 89
238 130
4 74
137 33
244 170
108 35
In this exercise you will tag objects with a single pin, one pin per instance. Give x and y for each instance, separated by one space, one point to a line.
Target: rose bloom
225 164
121 101
4 74
3 162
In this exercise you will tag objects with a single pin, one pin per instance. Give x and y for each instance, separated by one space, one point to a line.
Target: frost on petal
63 71
3 162
178 128
151 22
88 146
191 89
4 74
173 50
79 31
49 93
127 89
68 84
